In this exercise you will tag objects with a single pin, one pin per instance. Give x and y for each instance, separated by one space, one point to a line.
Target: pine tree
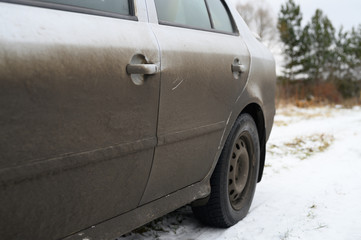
341 63
289 26
354 52
348 52
318 41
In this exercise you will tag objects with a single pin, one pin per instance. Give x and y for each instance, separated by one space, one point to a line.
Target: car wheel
234 180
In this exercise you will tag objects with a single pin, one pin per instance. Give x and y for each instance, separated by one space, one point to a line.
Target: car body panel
198 90
68 111
261 90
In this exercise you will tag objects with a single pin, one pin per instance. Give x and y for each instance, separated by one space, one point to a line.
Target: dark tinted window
185 12
111 6
220 16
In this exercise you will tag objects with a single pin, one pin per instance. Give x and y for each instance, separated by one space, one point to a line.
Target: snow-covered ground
311 188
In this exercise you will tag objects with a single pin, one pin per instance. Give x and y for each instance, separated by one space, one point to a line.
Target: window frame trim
231 19
76 9
210 15
172 24
213 30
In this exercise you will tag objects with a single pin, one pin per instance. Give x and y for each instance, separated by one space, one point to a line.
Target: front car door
77 131
204 70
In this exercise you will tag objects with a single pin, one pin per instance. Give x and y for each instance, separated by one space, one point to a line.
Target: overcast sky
340 12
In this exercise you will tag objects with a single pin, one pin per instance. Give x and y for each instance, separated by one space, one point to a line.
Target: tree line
314 54
317 52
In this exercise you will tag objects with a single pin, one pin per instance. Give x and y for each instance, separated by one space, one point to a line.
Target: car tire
234 179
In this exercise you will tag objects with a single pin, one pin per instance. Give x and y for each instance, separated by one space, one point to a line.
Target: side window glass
191 13
220 17
111 6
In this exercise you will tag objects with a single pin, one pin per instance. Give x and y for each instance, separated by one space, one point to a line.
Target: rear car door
77 131
204 70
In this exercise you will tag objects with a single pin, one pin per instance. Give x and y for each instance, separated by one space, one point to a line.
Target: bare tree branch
260 20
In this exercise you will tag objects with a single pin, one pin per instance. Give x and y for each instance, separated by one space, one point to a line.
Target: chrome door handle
146 69
239 68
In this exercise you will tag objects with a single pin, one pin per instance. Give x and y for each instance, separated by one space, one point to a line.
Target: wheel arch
257 114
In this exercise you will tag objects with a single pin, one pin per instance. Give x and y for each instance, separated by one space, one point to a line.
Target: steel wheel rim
239 170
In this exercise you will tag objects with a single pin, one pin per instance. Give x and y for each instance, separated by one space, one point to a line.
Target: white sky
340 12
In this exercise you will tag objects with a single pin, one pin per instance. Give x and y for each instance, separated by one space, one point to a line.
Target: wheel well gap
256 112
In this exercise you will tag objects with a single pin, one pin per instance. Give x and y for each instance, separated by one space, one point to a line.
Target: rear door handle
238 68
146 69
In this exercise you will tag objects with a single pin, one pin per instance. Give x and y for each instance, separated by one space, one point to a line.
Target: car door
78 115
204 70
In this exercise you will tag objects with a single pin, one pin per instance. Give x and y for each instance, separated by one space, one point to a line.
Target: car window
192 13
111 6
220 17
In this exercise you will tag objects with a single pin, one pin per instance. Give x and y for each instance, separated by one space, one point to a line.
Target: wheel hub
238 172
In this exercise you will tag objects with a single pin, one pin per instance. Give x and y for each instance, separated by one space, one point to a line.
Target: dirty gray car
116 112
